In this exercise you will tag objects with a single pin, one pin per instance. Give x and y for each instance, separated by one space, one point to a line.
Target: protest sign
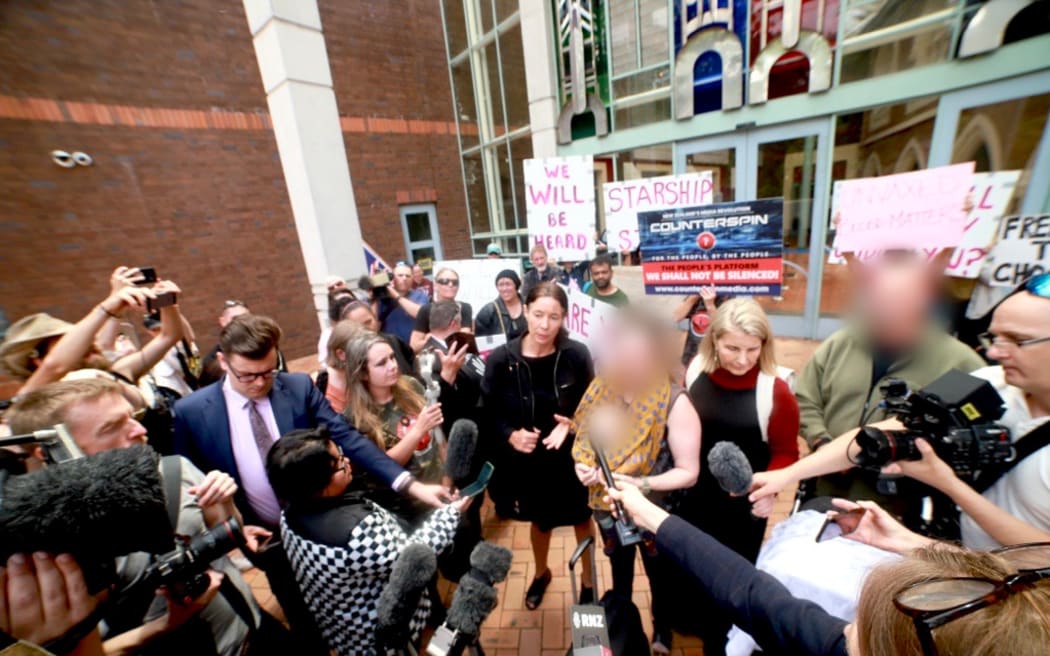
922 209
587 318
990 196
737 247
1023 249
625 199
559 202
477 278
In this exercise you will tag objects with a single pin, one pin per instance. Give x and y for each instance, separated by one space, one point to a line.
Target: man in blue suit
230 426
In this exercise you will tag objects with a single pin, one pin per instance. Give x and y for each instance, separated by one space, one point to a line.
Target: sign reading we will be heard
559 199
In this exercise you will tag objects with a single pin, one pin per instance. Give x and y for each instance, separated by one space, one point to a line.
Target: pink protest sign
923 209
559 203
625 199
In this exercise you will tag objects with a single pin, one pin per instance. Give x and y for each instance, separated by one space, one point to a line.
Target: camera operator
43 597
891 336
1016 508
398 303
225 619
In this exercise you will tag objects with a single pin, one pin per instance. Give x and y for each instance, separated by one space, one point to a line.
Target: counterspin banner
737 247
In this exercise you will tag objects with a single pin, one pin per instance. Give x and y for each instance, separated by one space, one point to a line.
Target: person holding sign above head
506 314
531 389
541 271
446 286
602 287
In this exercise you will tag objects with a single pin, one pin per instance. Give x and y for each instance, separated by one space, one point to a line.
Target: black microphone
731 468
473 601
626 530
462 444
95 508
413 570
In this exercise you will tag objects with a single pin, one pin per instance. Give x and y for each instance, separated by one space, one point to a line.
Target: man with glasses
446 287
211 371
231 425
398 308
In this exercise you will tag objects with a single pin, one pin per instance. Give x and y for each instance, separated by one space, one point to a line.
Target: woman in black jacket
531 389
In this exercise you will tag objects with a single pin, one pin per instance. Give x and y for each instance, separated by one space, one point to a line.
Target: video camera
956 414
375 285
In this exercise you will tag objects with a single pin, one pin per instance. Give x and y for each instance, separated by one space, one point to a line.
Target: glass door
782 161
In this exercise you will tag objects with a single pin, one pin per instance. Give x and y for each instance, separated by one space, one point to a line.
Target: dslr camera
184 569
375 285
956 414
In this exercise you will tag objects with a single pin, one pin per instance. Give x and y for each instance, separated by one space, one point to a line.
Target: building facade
774 97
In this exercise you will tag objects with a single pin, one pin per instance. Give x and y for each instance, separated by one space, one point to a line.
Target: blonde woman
739 399
389 408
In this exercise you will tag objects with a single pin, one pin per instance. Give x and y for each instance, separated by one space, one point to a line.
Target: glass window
886 36
477 204
419 224
1003 137
466 109
520 150
505 9
629 117
722 165
512 57
455 26
490 62
648 162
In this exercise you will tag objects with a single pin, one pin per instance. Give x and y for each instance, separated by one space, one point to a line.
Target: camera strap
171 473
1032 442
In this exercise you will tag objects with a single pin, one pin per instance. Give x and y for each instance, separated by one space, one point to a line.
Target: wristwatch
646 487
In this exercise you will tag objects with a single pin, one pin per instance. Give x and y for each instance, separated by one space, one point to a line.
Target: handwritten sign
1023 249
559 200
477 278
737 247
922 209
990 195
587 318
625 199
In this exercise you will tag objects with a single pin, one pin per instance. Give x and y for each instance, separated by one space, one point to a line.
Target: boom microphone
95 508
413 570
473 601
462 444
731 468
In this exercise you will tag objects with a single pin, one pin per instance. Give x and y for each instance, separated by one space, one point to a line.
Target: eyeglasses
452 282
936 602
343 465
988 340
232 303
251 377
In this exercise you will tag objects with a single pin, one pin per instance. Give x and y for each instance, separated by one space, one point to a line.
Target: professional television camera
956 414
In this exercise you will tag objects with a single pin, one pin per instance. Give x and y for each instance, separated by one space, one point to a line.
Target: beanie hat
511 275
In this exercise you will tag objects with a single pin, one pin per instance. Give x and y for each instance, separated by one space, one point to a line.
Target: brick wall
167 99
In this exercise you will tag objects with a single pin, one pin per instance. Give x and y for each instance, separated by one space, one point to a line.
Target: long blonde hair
744 315
361 409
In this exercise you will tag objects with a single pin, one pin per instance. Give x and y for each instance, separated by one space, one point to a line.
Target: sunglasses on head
232 303
1038 285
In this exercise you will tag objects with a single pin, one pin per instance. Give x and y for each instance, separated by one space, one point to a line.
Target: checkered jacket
341 585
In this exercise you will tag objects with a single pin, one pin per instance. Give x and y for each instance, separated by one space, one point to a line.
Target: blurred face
229 314
103 424
251 378
363 316
342 475
738 352
446 285
506 289
896 295
538 259
601 275
633 367
417 274
382 370
403 279
545 317
1020 317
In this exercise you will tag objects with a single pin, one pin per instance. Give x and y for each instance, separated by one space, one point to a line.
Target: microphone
730 467
95 508
473 601
462 444
428 365
626 530
413 570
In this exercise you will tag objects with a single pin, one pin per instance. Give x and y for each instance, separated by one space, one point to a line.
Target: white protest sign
559 199
625 199
990 196
477 278
921 209
1023 249
587 318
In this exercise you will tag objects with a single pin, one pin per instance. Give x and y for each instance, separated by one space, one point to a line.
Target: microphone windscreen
491 559
730 467
462 444
471 605
365 283
412 572
96 508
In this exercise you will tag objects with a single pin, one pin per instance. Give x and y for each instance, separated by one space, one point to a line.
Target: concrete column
293 62
541 75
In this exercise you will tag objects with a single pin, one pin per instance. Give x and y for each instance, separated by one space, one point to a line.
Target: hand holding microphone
731 468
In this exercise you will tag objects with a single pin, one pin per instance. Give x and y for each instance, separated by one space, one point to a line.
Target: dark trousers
622 561
273 561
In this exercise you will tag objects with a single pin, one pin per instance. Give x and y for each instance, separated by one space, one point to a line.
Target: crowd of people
332 475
